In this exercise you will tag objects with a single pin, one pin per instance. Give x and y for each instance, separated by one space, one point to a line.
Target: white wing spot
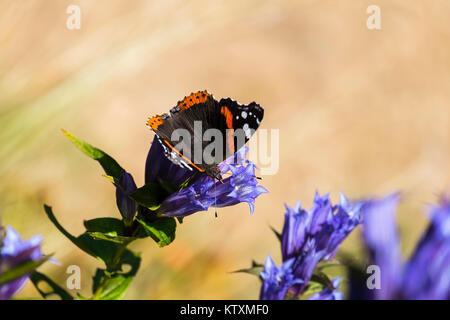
247 131
244 114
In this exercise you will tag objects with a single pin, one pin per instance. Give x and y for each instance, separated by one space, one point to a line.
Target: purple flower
426 275
328 293
13 252
204 192
308 237
277 280
127 206
201 192
381 239
311 236
159 168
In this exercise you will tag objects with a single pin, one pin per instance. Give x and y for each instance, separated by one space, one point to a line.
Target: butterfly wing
240 122
195 115
191 117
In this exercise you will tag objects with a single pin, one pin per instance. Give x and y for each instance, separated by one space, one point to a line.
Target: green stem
114 265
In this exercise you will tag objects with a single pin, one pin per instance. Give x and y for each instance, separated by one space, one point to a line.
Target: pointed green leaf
105 225
149 196
113 285
162 230
111 167
115 181
102 250
328 263
113 227
255 269
277 234
21 270
311 289
111 236
321 278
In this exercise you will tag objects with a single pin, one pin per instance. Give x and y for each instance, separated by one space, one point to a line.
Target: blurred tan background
365 112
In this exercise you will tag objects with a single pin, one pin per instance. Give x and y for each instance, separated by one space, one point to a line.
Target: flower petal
277 280
381 238
127 206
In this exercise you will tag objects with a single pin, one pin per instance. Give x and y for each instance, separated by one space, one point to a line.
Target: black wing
240 122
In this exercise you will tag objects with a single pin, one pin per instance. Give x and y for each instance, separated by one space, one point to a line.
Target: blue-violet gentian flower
310 236
426 275
277 280
13 252
203 192
307 238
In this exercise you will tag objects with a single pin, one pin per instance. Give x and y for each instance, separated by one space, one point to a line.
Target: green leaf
311 289
112 229
277 234
149 196
111 167
131 259
81 242
255 269
113 285
168 187
105 225
37 277
318 281
51 216
321 278
21 270
115 181
162 230
328 263
111 236
102 250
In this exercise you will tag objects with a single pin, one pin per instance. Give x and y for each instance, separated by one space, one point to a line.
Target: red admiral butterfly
200 116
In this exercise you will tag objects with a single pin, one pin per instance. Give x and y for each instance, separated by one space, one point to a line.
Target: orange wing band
155 121
230 132
193 99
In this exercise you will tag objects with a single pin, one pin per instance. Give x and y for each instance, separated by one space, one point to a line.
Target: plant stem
114 265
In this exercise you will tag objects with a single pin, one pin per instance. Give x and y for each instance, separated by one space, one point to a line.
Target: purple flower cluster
13 252
277 280
308 237
426 275
202 191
